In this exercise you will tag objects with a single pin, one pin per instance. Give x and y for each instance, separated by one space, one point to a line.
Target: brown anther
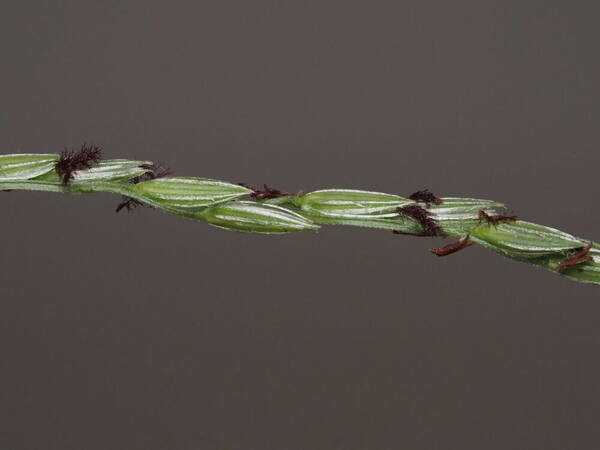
453 247
580 256
495 220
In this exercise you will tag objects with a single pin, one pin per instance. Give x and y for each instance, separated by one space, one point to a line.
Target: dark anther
73 160
425 196
129 204
265 193
423 217
153 171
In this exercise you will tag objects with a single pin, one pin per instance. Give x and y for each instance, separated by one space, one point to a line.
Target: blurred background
148 331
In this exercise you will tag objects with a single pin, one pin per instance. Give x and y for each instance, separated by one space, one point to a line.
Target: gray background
148 331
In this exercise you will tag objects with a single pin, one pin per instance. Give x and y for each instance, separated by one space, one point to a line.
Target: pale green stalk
230 206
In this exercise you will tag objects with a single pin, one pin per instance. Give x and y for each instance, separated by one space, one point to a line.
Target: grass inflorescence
268 210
